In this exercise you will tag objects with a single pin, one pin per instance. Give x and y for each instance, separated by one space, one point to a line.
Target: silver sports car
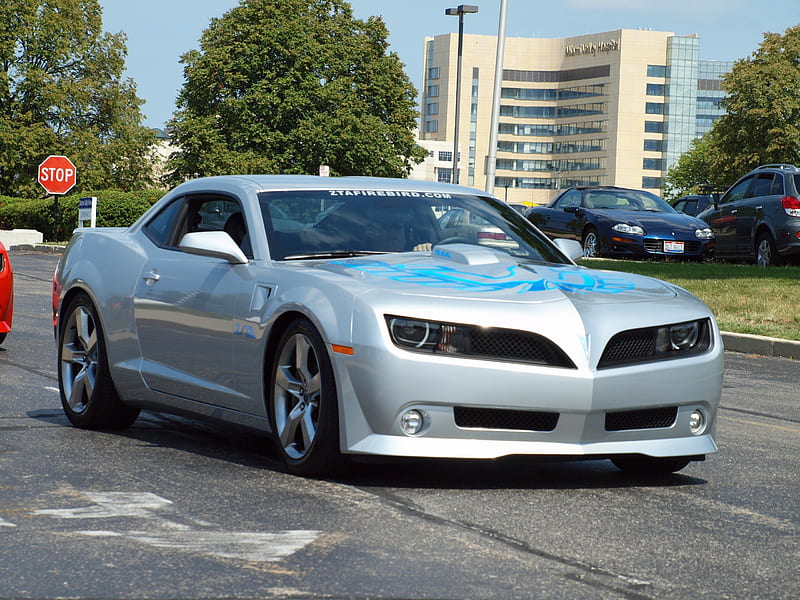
337 314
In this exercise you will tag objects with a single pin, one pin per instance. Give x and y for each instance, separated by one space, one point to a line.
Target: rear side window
762 185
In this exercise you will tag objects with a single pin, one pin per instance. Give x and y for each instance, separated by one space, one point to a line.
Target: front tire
303 403
88 395
591 244
643 466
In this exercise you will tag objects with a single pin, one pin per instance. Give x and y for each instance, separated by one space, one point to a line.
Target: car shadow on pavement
251 449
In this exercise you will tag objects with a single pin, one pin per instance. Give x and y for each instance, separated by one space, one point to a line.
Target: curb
44 248
733 342
761 345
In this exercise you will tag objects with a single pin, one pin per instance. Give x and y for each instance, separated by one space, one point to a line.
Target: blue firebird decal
567 280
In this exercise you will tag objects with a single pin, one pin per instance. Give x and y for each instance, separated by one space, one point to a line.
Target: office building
612 108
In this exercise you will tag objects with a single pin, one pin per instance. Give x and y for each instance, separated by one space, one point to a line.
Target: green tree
696 169
288 85
61 92
762 124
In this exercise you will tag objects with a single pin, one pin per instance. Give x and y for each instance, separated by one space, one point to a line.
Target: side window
199 213
571 198
737 192
161 227
215 213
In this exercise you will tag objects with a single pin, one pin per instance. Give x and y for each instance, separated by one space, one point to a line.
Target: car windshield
625 200
328 223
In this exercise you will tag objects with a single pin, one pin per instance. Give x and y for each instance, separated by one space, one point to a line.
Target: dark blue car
623 223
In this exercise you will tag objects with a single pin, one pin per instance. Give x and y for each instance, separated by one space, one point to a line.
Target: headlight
704 234
682 337
628 229
665 342
428 336
476 342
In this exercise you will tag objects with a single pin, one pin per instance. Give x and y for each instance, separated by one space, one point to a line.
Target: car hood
657 221
474 272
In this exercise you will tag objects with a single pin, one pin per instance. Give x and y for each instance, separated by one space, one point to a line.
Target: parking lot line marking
197 536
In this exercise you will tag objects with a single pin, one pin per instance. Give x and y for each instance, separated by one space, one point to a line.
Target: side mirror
216 244
571 248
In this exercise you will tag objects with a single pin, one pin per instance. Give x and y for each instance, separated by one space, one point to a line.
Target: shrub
114 209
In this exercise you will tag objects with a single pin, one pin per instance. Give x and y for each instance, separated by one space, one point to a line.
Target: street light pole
491 162
460 10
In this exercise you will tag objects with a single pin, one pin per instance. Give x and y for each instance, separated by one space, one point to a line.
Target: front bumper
621 246
374 395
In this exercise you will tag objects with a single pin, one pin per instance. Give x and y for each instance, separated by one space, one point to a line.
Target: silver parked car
336 314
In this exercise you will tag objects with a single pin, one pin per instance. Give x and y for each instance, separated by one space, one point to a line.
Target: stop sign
57 174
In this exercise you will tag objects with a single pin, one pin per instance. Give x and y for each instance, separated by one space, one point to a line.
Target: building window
557 76
654 145
651 183
552 112
653 164
656 89
654 108
657 71
444 175
654 127
432 108
445 156
431 126
433 73
433 91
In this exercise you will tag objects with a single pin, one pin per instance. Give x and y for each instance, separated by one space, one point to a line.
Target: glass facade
709 93
683 56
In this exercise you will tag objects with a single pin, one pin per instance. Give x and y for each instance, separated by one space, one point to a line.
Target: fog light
412 421
697 422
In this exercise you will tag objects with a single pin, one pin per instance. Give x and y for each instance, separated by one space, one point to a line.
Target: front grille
629 345
657 246
495 418
516 346
652 418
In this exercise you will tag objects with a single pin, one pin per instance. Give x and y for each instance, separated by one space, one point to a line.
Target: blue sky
160 31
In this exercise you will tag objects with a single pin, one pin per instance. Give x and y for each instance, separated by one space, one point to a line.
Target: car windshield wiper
331 254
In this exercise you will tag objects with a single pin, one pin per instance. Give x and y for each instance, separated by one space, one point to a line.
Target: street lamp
460 10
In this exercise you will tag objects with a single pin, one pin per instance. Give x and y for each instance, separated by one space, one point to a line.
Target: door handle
151 277
733 212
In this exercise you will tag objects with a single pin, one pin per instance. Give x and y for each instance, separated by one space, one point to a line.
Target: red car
6 293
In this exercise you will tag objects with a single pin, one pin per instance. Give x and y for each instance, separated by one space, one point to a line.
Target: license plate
674 247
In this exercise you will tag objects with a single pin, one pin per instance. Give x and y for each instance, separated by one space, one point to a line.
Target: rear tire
88 395
649 465
303 403
766 253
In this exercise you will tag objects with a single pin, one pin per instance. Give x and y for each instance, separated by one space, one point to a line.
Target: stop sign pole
57 175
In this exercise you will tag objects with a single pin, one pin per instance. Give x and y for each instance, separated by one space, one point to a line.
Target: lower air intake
654 418
494 418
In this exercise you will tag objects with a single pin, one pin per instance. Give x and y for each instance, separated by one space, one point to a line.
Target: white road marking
4 523
244 545
112 504
251 546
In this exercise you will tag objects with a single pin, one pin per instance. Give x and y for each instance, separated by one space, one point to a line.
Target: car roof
257 183
776 167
